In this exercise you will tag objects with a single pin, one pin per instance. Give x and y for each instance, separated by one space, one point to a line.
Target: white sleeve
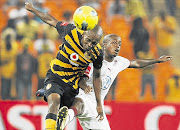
123 63
126 63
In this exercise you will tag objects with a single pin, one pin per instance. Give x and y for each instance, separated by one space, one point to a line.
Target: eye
114 42
119 43
94 43
88 40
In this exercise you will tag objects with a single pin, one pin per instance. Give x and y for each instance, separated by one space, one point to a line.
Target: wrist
158 61
99 103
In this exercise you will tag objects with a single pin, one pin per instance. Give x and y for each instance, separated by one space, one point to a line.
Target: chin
112 56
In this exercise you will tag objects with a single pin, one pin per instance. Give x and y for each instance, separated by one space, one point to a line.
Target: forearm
43 16
82 83
141 63
97 83
97 90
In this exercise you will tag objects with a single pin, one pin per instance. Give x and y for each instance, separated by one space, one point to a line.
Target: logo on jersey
64 24
74 56
48 86
106 82
88 70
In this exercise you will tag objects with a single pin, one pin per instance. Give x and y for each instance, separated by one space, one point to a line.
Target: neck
108 58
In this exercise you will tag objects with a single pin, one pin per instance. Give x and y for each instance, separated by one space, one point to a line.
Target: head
162 15
26 18
26 42
111 45
8 42
137 22
11 23
44 36
67 15
20 4
91 38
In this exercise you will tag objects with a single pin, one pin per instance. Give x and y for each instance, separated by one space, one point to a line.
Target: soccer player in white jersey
84 106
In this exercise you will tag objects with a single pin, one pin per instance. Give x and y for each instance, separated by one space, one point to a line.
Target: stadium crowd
27 46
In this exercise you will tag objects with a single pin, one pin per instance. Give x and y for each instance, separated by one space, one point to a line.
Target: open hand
100 112
164 58
28 6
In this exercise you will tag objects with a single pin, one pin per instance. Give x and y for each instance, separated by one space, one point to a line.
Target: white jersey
109 71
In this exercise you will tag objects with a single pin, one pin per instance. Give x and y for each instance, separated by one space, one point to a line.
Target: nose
117 46
89 45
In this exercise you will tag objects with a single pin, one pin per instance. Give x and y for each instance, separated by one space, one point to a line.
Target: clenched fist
29 6
164 58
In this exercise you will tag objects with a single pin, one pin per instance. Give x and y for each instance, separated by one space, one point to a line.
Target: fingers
165 58
100 113
169 57
161 56
101 117
88 89
26 3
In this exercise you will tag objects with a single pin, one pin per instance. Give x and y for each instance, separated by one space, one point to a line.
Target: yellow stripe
64 54
66 81
75 36
62 73
68 38
79 30
60 63
94 55
99 46
76 84
97 50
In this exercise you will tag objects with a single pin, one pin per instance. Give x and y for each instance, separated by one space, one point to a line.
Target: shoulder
171 19
61 25
122 60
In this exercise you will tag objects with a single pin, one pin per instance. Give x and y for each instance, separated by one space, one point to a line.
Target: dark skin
89 40
112 45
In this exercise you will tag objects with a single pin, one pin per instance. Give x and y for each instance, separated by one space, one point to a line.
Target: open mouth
116 51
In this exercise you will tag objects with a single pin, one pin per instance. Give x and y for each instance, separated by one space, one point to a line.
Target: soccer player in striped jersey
84 103
79 48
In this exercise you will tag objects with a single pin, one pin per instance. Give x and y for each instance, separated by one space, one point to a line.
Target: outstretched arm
43 16
141 63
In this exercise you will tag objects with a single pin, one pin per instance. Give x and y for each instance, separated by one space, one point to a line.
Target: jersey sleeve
123 63
63 28
89 71
98 62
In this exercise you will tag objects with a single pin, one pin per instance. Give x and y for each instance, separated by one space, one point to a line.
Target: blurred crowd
27 46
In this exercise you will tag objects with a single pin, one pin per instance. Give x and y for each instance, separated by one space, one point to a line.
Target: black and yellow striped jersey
71 60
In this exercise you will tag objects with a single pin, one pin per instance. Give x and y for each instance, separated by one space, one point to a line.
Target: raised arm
43 16
140 63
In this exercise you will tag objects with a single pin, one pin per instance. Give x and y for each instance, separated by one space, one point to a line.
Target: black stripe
59 68
62 58
76 42
68 77
80 38
95 51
